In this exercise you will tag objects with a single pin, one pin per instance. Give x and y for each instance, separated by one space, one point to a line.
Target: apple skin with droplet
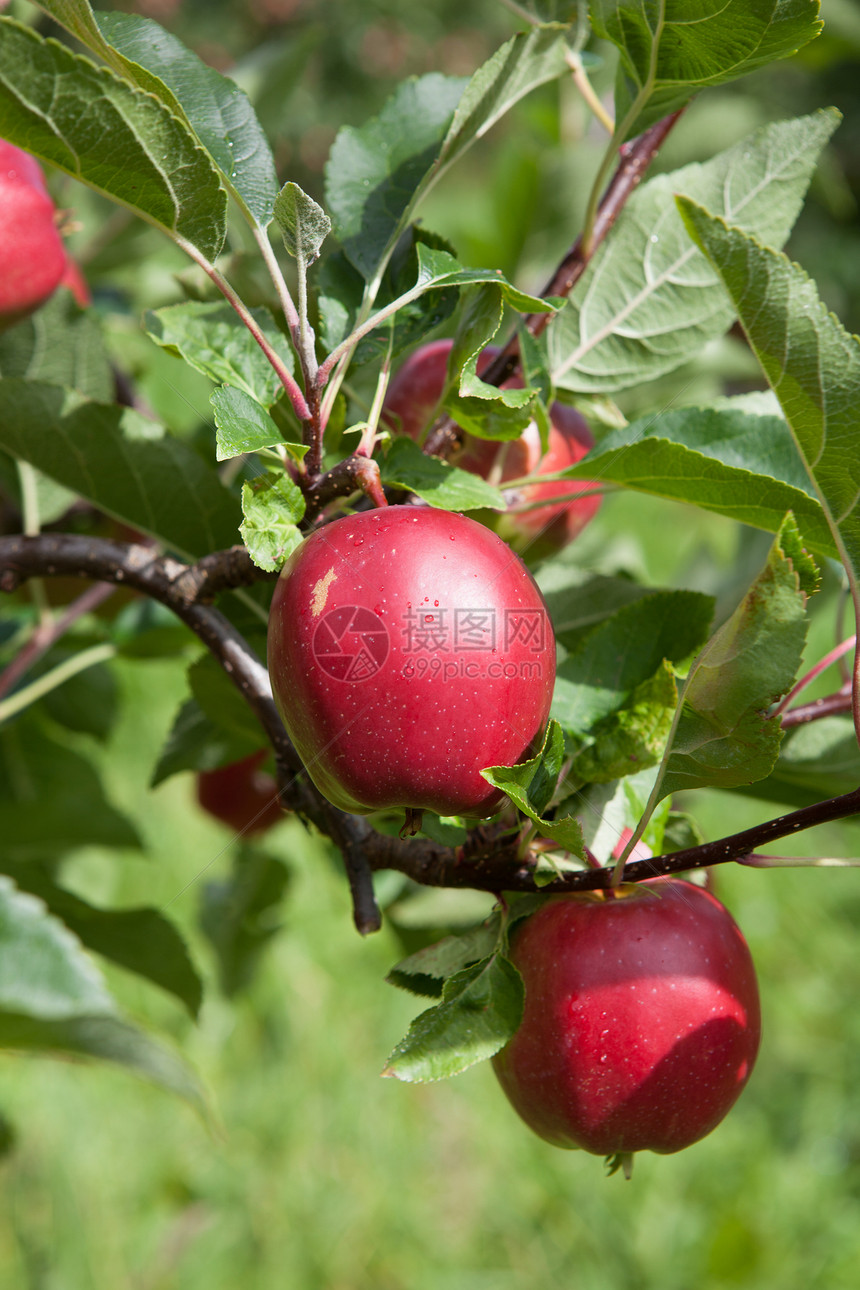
642 1020
410 648
32 255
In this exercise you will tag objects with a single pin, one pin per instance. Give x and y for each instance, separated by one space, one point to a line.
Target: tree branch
488 861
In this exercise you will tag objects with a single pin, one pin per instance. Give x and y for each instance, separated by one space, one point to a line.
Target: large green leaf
438 483
626 650
121 462
218 111
141 940
51 797
377 174
735 458
373 170
210 337
649 300
52 998
115 137
811 362
724 735
672 48
61 345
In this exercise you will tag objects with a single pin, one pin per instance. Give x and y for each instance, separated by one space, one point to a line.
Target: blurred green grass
319 1175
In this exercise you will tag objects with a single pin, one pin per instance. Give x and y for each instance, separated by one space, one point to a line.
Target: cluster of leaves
651 699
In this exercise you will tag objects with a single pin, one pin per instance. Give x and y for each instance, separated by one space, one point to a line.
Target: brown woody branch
487 861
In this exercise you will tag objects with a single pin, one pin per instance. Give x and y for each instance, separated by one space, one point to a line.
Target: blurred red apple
32 255
241 795
410 404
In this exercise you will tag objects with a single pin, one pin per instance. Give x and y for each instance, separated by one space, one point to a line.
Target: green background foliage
313 1171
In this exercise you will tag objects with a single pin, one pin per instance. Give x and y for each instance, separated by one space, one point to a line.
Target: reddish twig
48 634
636 156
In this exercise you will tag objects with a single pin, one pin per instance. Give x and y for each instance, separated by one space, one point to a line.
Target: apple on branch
411 404
641 1023
409 649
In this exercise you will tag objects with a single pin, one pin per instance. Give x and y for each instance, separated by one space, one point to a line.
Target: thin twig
49 633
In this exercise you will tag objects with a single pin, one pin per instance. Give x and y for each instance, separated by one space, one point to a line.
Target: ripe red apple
410 403
641 1023
409 649
241 795
32 255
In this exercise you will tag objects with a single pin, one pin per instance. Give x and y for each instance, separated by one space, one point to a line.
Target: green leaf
531 784
417 313
374 170
121 462
810 361
218 111
438 268
433 480
632 737
303 222
816 760
627 650
377 174
244 425
52 998
211 338
51 797
522 64
272 506
649 301
481 409
670 48
577 599
140 940
220 700
238 914
425 972
481 1008
59 344
116 138
724 735
87 703
730 458
197 743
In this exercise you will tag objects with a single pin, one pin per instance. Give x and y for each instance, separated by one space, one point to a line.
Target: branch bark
488 861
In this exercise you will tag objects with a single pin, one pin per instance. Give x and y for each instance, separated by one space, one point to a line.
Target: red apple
641 1023
241 795
32 255
409 648
410 403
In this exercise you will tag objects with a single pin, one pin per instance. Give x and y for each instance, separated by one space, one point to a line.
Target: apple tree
458 694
